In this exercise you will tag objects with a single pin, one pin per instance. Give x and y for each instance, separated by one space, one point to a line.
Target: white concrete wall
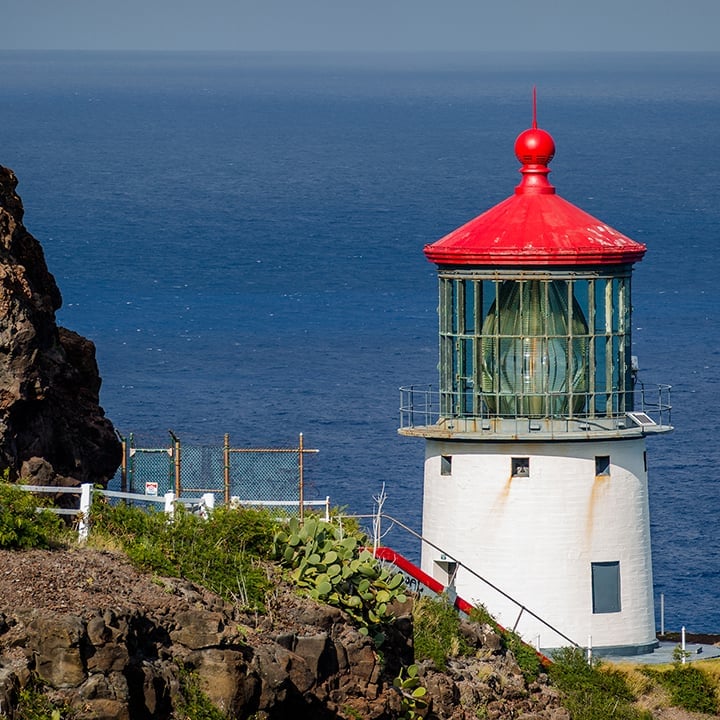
536 537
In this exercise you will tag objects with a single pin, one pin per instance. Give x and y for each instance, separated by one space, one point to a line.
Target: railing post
327 508
301 481
85 503
682 645
662 613
169 505
226 469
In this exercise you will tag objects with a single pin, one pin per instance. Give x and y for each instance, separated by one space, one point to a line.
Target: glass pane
469 311
454 303
535 362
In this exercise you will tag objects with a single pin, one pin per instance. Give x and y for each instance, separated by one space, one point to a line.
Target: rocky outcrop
113 644
52 428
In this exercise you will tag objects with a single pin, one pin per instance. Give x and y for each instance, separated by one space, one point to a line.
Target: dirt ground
74 580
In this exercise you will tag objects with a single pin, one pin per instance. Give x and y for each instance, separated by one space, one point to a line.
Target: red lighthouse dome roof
535 226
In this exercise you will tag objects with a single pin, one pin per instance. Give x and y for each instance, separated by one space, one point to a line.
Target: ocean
241 235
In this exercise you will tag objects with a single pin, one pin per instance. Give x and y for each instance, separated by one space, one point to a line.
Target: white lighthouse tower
536 484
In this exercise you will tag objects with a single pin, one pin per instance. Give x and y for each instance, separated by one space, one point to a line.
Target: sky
361 25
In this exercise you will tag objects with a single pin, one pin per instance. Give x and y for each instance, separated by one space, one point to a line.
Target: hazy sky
360 24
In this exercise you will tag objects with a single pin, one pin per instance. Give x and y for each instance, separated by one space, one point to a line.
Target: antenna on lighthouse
534 121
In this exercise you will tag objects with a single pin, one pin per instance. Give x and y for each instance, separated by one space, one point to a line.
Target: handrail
517 603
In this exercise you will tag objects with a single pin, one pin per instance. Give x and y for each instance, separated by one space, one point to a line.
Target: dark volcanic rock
52 428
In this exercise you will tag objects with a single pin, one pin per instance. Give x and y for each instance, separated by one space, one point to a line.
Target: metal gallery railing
426 405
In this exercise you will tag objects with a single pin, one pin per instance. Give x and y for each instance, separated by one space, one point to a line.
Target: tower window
520 467
606 587
602 465
446 464
645 460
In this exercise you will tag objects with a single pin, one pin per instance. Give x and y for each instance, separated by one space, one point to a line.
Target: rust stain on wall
599 489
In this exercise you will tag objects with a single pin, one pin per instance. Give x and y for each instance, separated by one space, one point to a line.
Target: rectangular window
645 460
446 464
520 467
606 587
602 465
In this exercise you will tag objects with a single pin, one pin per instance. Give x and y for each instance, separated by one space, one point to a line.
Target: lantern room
534 313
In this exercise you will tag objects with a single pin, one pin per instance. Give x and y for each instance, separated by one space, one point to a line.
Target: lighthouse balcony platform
427 412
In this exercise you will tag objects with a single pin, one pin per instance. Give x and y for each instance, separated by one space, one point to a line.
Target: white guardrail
204 504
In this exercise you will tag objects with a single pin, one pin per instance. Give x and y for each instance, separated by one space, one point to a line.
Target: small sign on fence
151 488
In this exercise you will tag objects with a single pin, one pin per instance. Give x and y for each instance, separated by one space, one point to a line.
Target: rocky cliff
111 643
52 428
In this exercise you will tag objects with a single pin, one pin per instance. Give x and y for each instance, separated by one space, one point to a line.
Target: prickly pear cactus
335 569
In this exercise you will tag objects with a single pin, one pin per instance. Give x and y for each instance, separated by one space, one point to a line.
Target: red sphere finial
535 147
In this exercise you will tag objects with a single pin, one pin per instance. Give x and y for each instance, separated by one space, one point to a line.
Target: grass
437 631
692 686
593 691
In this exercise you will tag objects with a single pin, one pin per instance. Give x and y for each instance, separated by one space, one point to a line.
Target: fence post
123 465
131 463
226 469
301 481
85 503
327 508
170 504
208 504
176 458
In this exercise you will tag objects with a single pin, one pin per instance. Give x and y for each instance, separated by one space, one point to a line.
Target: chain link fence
249 476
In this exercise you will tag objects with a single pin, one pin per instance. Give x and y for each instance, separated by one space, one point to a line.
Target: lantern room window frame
468 295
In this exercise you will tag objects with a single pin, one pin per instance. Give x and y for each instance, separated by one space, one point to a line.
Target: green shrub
526 657
437 636
591 692
220 553
689 687
193 703
21 525
33 704
333 568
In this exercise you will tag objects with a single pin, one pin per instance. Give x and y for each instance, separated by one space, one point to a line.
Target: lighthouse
535 500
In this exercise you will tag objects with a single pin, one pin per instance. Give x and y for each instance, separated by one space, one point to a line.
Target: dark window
446 464
520 467
645 460
606 587
602 464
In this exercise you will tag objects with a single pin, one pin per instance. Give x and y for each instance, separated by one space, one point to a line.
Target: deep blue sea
241 235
